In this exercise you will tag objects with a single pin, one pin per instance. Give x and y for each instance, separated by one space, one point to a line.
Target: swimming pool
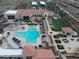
30 35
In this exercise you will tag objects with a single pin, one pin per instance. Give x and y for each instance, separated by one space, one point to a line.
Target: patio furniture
16 40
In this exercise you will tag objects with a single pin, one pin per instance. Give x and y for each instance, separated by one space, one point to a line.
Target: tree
62 13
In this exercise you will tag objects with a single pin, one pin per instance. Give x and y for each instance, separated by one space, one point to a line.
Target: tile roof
44 54
28 50
29 12
67 29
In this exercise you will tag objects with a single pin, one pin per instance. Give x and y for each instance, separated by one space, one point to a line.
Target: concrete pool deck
13 34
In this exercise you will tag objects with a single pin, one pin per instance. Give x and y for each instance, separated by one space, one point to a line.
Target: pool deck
23 43
9 39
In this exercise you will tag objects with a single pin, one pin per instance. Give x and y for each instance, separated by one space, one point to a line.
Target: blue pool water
30 35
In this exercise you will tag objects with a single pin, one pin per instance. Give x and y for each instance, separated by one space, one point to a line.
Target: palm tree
4 38
8 33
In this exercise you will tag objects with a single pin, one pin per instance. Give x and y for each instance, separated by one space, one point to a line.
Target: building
42 3
34 3
16 47
26 14
67 42
28 52
11 15
68 31
29 13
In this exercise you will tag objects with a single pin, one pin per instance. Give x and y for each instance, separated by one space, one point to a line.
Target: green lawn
59 23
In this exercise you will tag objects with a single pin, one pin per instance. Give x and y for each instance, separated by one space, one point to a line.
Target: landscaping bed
58 41
60 46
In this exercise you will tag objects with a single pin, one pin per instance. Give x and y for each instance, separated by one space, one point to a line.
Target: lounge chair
16 40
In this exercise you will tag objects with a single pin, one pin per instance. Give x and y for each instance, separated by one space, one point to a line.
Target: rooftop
44 54
42 2
28 50
8 52
38 53
29 12
67 29
11 12
34 3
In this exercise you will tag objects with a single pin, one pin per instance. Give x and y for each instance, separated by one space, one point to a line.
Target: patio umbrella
40 46
13 38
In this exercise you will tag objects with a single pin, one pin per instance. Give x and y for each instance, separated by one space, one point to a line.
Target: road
70 9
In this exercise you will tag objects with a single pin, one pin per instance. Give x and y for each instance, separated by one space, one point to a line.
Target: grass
59 23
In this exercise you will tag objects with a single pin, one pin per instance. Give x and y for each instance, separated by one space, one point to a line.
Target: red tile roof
44 54
29 12
67 29
28 50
